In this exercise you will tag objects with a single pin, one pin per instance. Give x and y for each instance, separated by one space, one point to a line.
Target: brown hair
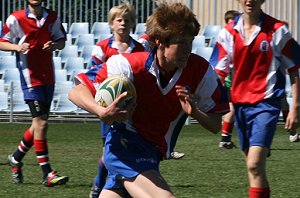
121 10
230 14
169 20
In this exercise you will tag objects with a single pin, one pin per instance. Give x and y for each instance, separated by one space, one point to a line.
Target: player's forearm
210 121
59 44
83 98
295 91
7 46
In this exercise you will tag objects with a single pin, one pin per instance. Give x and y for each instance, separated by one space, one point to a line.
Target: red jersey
36 66
259 64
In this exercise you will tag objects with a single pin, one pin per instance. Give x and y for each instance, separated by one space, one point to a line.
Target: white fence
208 12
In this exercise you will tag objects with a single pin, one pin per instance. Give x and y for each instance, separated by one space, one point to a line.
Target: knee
254 168
40 125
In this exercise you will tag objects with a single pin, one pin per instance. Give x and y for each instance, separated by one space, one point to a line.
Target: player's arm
7 46
210 121
54 45
83 98
293 119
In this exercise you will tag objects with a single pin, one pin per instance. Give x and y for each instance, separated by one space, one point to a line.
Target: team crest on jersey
264 46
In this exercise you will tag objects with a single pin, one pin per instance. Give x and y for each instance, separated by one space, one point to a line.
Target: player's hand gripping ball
112 87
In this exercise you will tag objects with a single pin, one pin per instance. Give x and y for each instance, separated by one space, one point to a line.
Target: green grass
205 171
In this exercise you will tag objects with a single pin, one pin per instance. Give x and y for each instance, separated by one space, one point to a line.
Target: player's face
122 24
178 51
251 7
34 2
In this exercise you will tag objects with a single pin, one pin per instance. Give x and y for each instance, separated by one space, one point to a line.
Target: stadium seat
99 28
73 63
75 72
69 39
64 105
102 37
211 31
7 62
3 101
60 75
67 52
84 39
15 86
62 87
199 41
86 53
65 25
78 28
140 29
11 75
18 103
205 52
2 85
57 62
135 36
5 53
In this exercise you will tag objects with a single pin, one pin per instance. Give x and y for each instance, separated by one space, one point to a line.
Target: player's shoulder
271 22
19 13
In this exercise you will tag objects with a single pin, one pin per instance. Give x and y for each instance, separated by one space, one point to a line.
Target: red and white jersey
108 47
158 113
144 40
258 64
22 26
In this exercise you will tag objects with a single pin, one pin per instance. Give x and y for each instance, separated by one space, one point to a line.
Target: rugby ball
112 87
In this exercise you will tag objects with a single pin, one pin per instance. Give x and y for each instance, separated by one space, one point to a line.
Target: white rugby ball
112 87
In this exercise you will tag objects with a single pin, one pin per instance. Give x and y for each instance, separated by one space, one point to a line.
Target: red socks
259 192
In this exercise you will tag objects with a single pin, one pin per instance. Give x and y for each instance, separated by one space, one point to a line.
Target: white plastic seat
84 39
18 103
57 62
64 105
199 41
60 75
140 29
67 52
3 101
65 25
2 85
86 53
77 28
11 75
211 31
74 63
205 52
5 53
103 36
99 28
7 62
62 87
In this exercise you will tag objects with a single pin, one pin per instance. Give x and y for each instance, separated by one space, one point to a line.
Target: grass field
205 171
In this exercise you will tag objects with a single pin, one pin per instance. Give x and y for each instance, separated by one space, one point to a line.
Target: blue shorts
104 129
127 155
40 93
256 124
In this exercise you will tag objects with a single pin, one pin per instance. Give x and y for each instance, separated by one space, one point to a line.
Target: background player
40 33
121 19
164 80
228 119
260 48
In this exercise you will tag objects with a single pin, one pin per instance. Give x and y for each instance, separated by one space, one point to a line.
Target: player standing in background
260 48
228 119
121 19
164 79
39 32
